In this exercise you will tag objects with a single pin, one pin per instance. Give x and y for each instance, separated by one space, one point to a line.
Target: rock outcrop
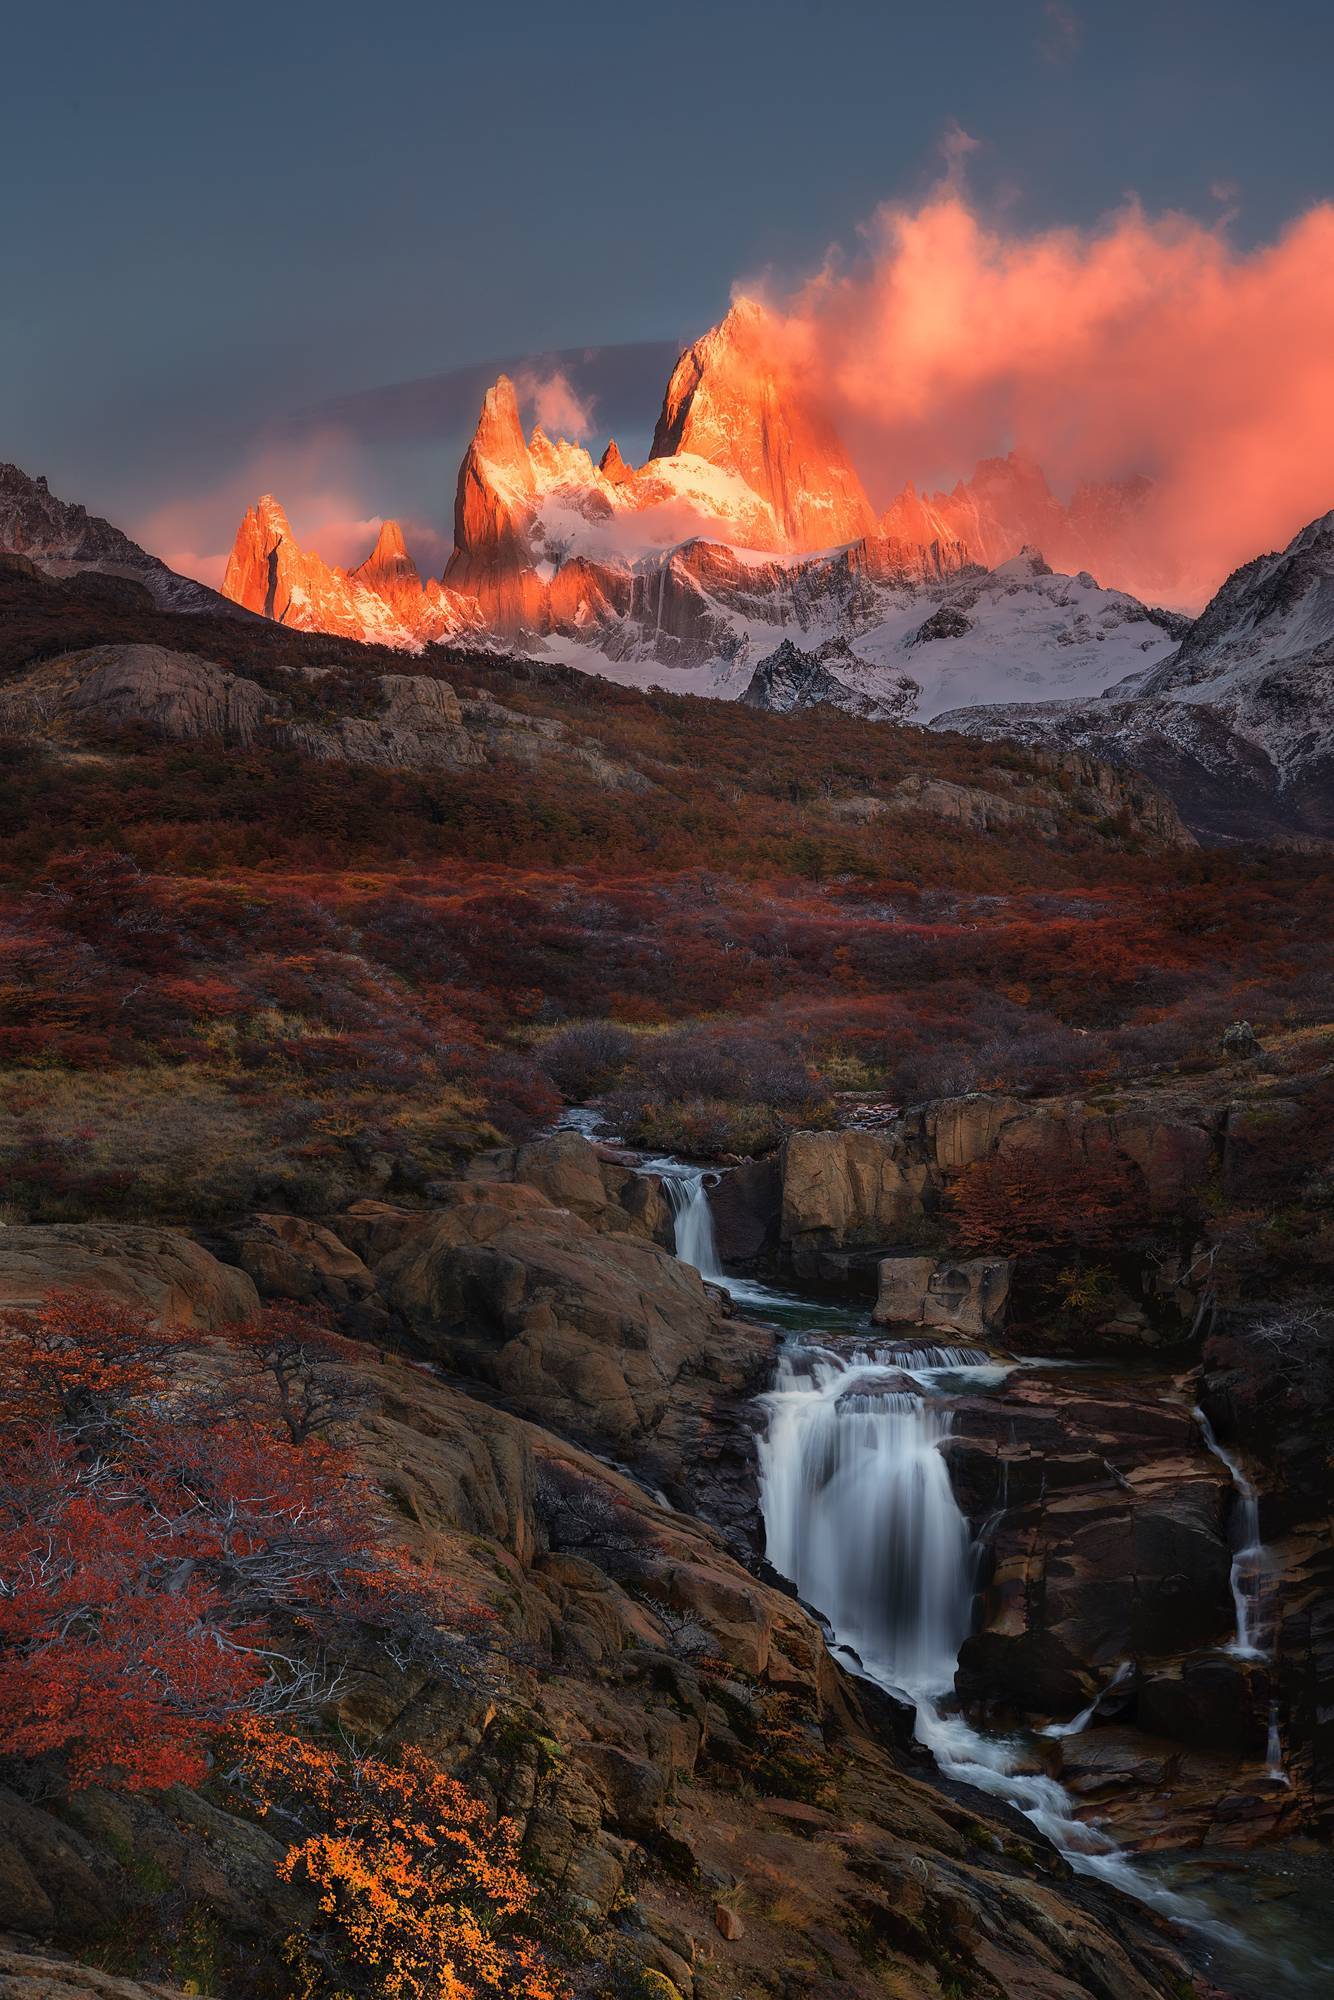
411 721
602 1333
162 1269
966 1296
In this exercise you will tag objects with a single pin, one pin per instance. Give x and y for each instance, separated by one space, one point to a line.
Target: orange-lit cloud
1147 344
554 403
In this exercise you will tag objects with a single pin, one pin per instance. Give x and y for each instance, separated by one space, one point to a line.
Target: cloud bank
1146 344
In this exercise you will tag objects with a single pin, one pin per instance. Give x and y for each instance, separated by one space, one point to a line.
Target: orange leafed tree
174 1551
419 1888
1022 1204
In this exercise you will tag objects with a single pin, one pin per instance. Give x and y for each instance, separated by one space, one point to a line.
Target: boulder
571 1172
160 1268
598 1333
968 1296
292 1258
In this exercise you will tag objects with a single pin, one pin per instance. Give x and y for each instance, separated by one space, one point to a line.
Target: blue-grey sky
216 216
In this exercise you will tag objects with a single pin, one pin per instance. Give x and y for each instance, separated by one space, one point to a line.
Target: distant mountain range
746 524
743 559
1236 722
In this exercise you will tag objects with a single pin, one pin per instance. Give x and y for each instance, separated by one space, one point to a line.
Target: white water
859 1514
1250 1564
1274 1751
687 1191
1079 1723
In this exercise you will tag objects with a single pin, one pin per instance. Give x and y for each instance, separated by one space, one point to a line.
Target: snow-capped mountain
1237 723
746 525
790 679
64 539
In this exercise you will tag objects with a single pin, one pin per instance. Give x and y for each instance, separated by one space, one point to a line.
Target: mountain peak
390 570
612 466
733 401
65 537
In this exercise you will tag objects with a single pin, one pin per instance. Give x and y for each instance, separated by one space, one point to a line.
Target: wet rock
967 1296
1211 1700
746 1206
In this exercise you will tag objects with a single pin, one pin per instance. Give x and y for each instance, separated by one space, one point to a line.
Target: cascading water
1079 1723
687 1191
860 1515
1250 1562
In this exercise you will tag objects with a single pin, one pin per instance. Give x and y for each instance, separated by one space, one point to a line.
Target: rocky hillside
710 1807
1235 723
66 540
418 722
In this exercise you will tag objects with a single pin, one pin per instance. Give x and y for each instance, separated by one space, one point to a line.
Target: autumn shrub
1026 1203
586 1057
417 1889
705 1128
178 1545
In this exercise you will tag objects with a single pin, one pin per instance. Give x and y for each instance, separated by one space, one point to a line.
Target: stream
860 1516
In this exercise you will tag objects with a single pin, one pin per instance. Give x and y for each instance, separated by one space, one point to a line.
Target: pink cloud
555 403
1143 344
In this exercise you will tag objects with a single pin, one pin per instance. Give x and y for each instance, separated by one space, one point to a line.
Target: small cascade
1250 1563
1079 1723
924 1362
687 1191
1274 1770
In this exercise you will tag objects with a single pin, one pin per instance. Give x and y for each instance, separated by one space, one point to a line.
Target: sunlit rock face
382 601
731 401
391 573
746 526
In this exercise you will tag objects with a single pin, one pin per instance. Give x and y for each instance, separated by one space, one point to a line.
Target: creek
859 1514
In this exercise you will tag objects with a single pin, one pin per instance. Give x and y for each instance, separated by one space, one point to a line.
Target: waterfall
1250 1565
1274 1750
860 1516
687 1191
